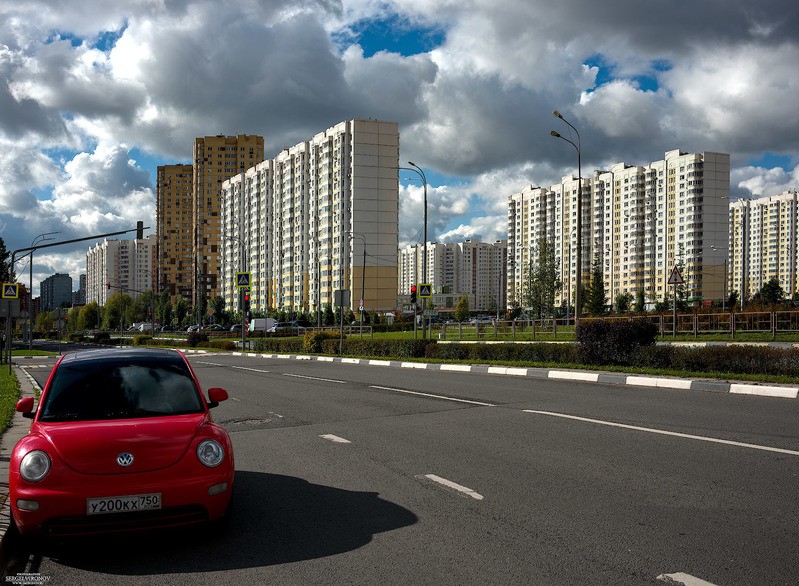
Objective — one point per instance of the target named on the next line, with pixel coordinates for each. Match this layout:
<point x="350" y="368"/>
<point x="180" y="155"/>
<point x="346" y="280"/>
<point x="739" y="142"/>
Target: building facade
<point x="763" y="243"/>
<point x="478" y="270"/>
<point x="638" y="223"/>
<point x="216" y="159"/>
<point x="321" y="216"/>
<point x="174" y="229"/>
<point x="56" y="292"/>
<point x="114" y="266"/>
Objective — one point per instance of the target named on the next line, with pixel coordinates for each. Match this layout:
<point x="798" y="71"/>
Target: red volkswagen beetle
<point x="122" y="440"/>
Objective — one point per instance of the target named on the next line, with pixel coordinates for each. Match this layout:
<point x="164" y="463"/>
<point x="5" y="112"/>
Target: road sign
<point x="675" y="278"/>
<point x="425" y="290"/>
<point x="10" y="291"/>
<point x="242" y="280"/>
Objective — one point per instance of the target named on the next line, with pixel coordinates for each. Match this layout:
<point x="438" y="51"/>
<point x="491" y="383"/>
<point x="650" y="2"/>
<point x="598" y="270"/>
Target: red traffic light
<point x="413" y="288"/>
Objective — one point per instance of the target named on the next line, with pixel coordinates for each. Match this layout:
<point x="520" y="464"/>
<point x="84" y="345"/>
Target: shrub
<point x="195" y="338"/>
<point x="142" y="340"/>
<point x="312" y="341"/>
<point x="221" y="344"/>
<point x="612" y="342"/>
<point x="75" y="337"/>
<point x="508" y="352"/>
<point x="101" y="338"/>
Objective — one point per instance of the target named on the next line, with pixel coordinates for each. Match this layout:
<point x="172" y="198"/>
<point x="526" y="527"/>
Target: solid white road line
<point x="327" y="380"/>
<point x="683" y="579"/>
<point x="250" y="369"/>
<point x="335" y="439"/>
<point x="449" y="484"/>
<point x="445" y="398"/>
<point x="663" y="432"/>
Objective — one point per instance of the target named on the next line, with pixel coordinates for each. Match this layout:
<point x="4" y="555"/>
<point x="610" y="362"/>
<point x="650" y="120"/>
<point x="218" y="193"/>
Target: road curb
<point x="17" y="430"/>
<point x="778" y="391"/>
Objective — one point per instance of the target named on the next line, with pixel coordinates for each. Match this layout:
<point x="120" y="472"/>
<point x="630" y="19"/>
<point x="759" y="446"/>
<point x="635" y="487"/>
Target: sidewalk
<point x="19" y="427"/>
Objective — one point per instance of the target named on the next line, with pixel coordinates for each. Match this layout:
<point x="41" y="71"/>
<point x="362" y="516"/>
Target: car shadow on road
<point x="275" y="519"/>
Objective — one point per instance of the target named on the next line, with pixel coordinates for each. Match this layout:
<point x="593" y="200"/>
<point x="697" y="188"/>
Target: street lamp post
<point x="39" y="239"/>
<point x="418" y="169"/>
<point x="578" y="255"/>
<point x="363" y="275"/>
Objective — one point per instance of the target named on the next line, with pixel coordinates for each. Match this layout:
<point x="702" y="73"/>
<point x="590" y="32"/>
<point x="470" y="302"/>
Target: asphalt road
<point x="473" y="479"/>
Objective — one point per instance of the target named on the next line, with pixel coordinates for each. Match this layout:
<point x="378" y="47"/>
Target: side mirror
<point x="215" y="396"/>
<point x="25" y="406"/>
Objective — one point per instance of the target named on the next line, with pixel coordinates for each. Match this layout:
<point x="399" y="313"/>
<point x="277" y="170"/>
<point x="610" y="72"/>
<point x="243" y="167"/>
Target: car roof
<point x="100" y="354"/>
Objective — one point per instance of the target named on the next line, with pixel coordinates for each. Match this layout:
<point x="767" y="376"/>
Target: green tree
<point x="329" y="317"/>
<point x="543" y="281"/>
<point x="623" y="301"/>
<point x="462" y="308"/>
<point x="771" y="293"/>
<point x="640" y="301"/>
<point x="118" y="311"/>
<point x="7" y="273"/>
<point x="45" y="321"/>
<point x="733" y="300"/>
<point x="89" y="316"/>
<point x="595" y="298"/>
<point x="163" y="308"/>
<point x="180" y="309"/>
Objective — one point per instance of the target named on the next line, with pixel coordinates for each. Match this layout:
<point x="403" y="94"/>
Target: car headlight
<point x="211" y="453"/>
<point x="35" y="466"/>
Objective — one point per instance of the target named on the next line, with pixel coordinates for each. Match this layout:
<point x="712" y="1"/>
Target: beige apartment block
<point x="174" y="229"/>
<point x="763" y="243"/>
<point x="216" y="159"/>
<point x="638" y="222"/>
<point x="129" y="266"/>
<point x="319" y="217"/>
<point x="476" y="269"/>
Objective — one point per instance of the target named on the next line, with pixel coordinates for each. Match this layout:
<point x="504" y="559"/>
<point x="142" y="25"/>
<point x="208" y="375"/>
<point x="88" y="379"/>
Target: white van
<point x="262" y="324"/>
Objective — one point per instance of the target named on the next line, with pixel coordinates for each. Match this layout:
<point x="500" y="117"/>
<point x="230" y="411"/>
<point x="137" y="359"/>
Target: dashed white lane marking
<point x="327" y="380"/>
<point x="209" y="363"/>
<point x="335" y="439"/>
<point x="454" y="486"/>
<point x="443" y="397"/>
<point x="664" y="432"/>
<point x="683" y="579"/>
<point x="250" y="369"/>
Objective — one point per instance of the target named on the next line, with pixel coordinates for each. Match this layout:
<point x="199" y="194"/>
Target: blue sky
<point x="94" y="95"/>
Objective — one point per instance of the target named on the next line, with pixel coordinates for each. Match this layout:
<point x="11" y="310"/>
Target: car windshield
<point x="84" y="391"/>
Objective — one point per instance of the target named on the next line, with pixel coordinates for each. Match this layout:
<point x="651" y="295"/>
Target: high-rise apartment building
<point x="175" y="229"/>
<point x="321" y="216"/>
<point x="127" y="265"/>
<point x="55" y="292"/>
<point x="763" y="243"/>
<point x="638" y="222"/>
<point x="216" y="159"/>
<point x="478" y="270"/>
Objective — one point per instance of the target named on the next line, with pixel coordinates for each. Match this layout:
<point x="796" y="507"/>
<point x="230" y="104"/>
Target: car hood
<point x="92" y="447"/>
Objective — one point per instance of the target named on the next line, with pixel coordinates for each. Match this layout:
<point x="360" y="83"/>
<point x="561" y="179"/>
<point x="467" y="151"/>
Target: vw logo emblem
<point x="125" y="459"/>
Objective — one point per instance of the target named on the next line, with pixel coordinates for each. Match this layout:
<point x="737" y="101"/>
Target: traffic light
<point x="108" y="285"/>
<point x="247" y="302"/>
<point x="413" y="293"/>
<point x="139" y="230"/>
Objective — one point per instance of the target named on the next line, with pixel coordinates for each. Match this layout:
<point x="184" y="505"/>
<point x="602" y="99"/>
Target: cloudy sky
<point x="94" y="94"/>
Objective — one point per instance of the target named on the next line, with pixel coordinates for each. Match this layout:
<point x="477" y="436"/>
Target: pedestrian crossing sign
<point x="10" y="291"/>
<point x="425" y="290"/>
<point x="243" y="280"/>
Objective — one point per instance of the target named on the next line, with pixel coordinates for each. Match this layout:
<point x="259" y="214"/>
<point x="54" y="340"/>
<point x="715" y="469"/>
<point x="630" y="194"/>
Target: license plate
<point x="123" y="504"/>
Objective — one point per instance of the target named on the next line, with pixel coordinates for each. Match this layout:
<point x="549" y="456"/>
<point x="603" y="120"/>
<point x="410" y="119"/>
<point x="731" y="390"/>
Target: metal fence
<point x="691" y="324"/>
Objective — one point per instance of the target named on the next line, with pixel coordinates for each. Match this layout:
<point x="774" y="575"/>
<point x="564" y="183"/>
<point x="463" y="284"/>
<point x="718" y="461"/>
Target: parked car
<point x="215" y="328"/>
<point x="122" y="439"/>
<point x="235" y="328"/>
<point x="282" y="326"/>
